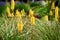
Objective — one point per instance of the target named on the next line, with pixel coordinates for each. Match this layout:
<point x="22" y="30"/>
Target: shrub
<point x="3" y="9"/>
<point x="41" y="11"/>
<point x="22" y="6"/>
<point x="34" y="4"/>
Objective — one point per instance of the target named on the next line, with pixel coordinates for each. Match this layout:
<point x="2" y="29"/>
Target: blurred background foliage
<point x="37" y="7"/>
<point x="2" y="9"/>
<point x="26" y="7"/>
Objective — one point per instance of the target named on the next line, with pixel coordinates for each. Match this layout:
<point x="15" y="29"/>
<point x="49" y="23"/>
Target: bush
<point x="41" y="11"/>
<point x="3" y="9"/>
<point x="34" y="4"/>
<point x="22" y="6"/>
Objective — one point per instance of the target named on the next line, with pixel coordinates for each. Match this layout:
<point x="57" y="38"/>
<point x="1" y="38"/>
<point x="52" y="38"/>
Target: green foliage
<point x="26" y="7"/>
<point x="42" y="11"/>
<point x="34" y="4"/>
<point x="59" y="11"/>
<point x="3" y="9"/>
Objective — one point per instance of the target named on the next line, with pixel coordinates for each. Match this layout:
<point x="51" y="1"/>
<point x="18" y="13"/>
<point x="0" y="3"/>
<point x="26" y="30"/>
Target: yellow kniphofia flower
<point x="12" y="4"/>
<point x="32" y="19"/>
<point x="51" y="13"/>
<point x="56" y="13"/>
<point x="20" y="26"/>
<point x="53" y="5"/>
<point x="46" y="18"/>
<point x="31" y="13"/>
<point x="22" y="12"/>
<point x="18" y="14"/>
<point x="8" y="12"/>
<point x="12" y="15"/>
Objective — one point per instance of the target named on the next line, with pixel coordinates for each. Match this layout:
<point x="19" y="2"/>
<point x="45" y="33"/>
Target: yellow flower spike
<point x="46" y="18"/>
<point x="51" y="13"/>
<point x="22" y="12"/>
<point x="56" y="13"/>
<point x="31" y="13"/>
<point x="12" y="5"/>
<point x="53" y="5"/>
<point x="20" y="26"/>
<point x="18" y="14"/>
<point x="8" y="11"/>
<point x="12" y="15"/>
<point x="32" y="19"/>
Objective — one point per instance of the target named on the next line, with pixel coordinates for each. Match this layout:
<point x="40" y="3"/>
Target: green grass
<point x="40" y="31"/>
